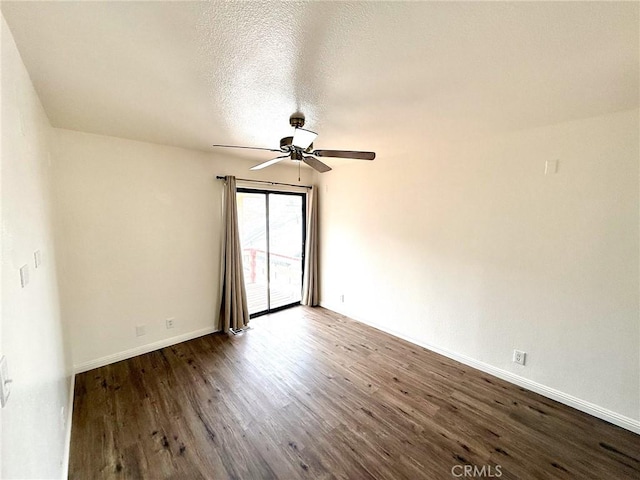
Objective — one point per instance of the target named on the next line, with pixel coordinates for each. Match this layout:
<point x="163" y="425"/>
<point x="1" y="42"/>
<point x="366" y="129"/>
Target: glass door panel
<point x="272" y="232"/>
<point x="286" y="237"/>
<point x="252" y="223"/>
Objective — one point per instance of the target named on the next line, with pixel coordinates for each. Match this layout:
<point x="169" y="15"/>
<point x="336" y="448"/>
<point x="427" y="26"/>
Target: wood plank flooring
<point x="310" y="394"/>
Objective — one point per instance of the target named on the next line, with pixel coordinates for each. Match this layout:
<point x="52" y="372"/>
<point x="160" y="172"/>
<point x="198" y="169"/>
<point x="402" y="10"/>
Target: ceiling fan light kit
<point x="301" y="143"/>
<point x="303" y="138"/>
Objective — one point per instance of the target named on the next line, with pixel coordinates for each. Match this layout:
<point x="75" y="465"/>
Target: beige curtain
<point x="310" y="287"/>
<point x="234" y="313"/>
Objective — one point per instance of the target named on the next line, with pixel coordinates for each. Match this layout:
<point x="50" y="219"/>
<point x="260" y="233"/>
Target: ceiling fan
<point x="299" y="148"/>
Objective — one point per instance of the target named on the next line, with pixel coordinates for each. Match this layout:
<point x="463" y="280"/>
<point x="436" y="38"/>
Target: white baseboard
<point x="67" y="437"/>
<point x="142" y="349"/>
<point x="557" y="395"/>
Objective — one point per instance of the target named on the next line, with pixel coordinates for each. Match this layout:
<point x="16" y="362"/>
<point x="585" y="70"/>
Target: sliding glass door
<point x="252" y="223"/>
<point x="272" y="235"/>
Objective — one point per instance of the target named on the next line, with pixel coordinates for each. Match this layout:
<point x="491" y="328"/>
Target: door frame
<point x="303" y="195"/>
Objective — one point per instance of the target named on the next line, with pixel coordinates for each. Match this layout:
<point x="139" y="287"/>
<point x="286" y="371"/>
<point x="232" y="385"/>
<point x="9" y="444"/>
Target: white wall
<point x="36" y="420"/>
<point x="465" y="245"/>
<point x="139" y="231"/>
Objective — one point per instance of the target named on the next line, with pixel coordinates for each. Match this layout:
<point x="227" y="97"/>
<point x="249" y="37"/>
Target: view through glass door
<point x="272" y="234"/>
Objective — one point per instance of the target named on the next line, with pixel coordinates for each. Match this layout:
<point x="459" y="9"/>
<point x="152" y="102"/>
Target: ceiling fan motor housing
<point x="286" y="145"/>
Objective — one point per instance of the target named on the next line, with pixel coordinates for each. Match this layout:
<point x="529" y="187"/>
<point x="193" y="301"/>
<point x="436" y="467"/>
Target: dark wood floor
<point x="308" y="393"/>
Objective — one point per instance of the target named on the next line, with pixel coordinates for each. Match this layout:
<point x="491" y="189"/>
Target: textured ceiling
<point x="376" y="76"/>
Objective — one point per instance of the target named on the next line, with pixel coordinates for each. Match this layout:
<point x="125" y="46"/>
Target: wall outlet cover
<point x="519" y="357"/>
<point x="24" y="275"/>
<point x="5" y="382"/>
<point x="550" y="167"/>
<point x="37" y="258"/>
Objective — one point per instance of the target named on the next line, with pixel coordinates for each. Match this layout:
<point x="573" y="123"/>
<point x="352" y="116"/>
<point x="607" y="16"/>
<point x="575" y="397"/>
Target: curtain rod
<point x="263" y="181"/>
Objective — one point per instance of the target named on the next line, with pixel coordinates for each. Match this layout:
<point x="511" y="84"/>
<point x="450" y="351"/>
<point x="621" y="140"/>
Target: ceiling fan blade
<point x="316" y="164"/>
<point x="345" y="154"/>
<point x="249" y="148"/>
<point x="303" y="138"/>
<point x="262" y="165"/>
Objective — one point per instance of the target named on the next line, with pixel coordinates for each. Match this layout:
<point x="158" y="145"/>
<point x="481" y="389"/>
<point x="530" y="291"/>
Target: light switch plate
<point x="550" y="167"/>
<point x="37" y="258"/>
<point x="5" y="382"/>
<point x="24" y="275"/>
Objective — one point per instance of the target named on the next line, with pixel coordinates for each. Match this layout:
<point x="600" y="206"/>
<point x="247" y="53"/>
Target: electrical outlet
<point x="550" y="167"/>
<point x="342" y="298"/>
<point x="170" y="322"/>
<point x="519" y="357"/>
<point x="24" y="275"/>
<point x="141" y="330"/>
<point x="5" y="382"/>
